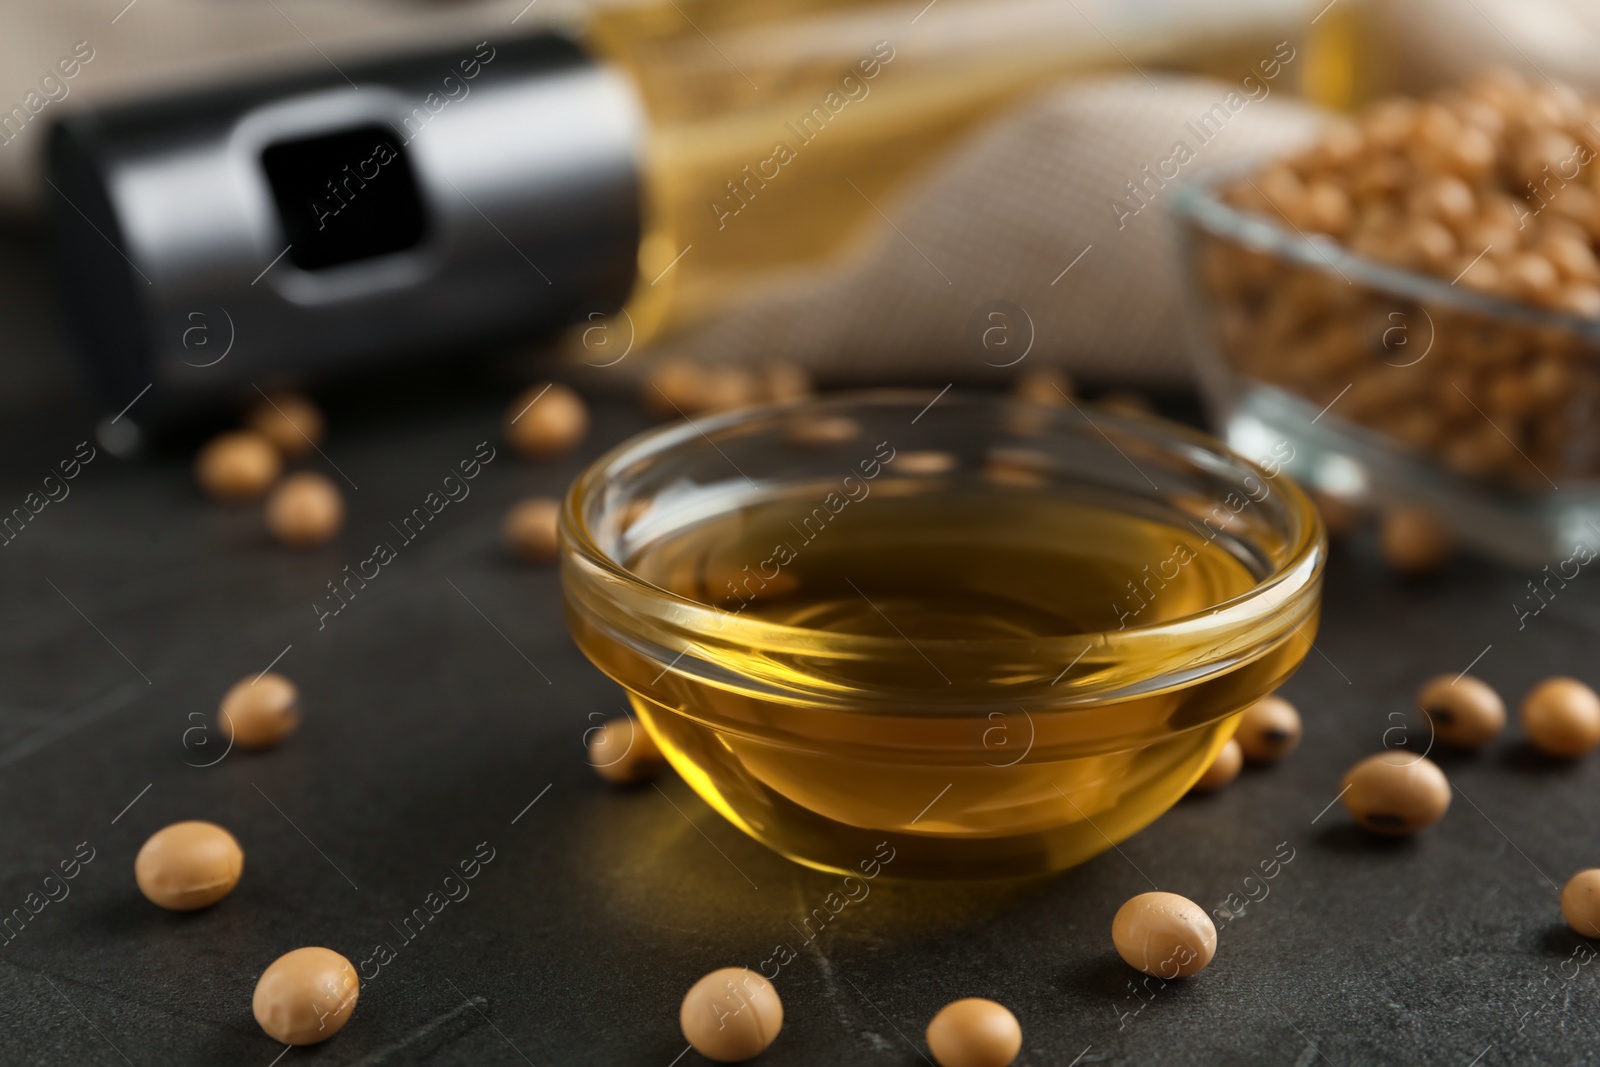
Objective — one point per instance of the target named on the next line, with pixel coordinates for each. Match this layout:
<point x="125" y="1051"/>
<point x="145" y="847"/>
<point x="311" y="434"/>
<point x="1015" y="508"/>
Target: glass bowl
<point x="977" y="638"/>
<point x="1394" y="386"/>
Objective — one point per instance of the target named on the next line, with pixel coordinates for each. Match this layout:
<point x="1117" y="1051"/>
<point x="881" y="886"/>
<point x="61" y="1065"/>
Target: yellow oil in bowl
<point x="981" y="674"/>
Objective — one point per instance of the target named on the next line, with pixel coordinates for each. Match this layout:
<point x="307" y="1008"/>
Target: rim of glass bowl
<point x="1273" y="596"/>
<point x="1198" y="202"/>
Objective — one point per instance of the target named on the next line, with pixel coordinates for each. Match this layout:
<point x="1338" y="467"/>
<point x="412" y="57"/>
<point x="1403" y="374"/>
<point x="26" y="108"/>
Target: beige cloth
<point x="1021" y="222"/>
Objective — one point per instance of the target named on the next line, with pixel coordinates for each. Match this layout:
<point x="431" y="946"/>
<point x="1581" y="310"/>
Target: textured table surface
<point x="446" y="699"/>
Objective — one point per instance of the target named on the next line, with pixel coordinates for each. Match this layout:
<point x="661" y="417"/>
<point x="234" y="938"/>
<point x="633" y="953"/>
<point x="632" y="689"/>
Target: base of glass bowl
<point x="1079" y="807"/>
<point x="1527" y="528"/>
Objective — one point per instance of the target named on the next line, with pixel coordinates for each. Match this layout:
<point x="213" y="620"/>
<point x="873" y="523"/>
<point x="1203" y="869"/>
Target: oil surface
<point x="885" y="721"/>
<point x="976" y="566"/>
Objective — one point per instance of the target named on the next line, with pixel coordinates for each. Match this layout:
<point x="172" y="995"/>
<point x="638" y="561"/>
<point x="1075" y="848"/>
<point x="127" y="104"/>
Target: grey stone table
<point x="446" y="708"/>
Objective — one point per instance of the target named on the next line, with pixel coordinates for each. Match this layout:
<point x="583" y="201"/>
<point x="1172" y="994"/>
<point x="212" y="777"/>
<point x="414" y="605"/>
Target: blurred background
<point x="845" y="185"/>
<point x="204" y="203"/>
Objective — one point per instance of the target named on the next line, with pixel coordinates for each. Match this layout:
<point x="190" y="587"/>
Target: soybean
<point x="260" y="712"/>
<point x="237" y="466"/>
<point x="546" y="421"/>
<point x="974" y="1032"/>
<point x="531" y="529"/>
<point x="623" y="751"/>
<point x="188" y="865"/>
<point x="306" y="996"/>
<point x="292" y="423"/>
<point x="1223" y="770"/>
<point x="1465" y="712"/>
<point x="1413" y="542"/>
<point x="673" y="388"/>
<point x="1580" y="902"/>
<point x="725" y="388"/>
<point x="305" y="511"/>
<point x="731" y="1015"/>
<point x="1396" y="793"/>
<point x="1562" y="717"/>
<point x="1268" y="730"/>
<point x="1164" y="934"/>
<point x="784" y="382"/>
<point x="1046" y="386"/>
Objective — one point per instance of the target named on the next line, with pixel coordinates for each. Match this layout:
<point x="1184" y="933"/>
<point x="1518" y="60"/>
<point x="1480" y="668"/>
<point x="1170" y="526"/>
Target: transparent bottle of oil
<point x="1359" y="51"/>
<point x="778" y="131"/>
